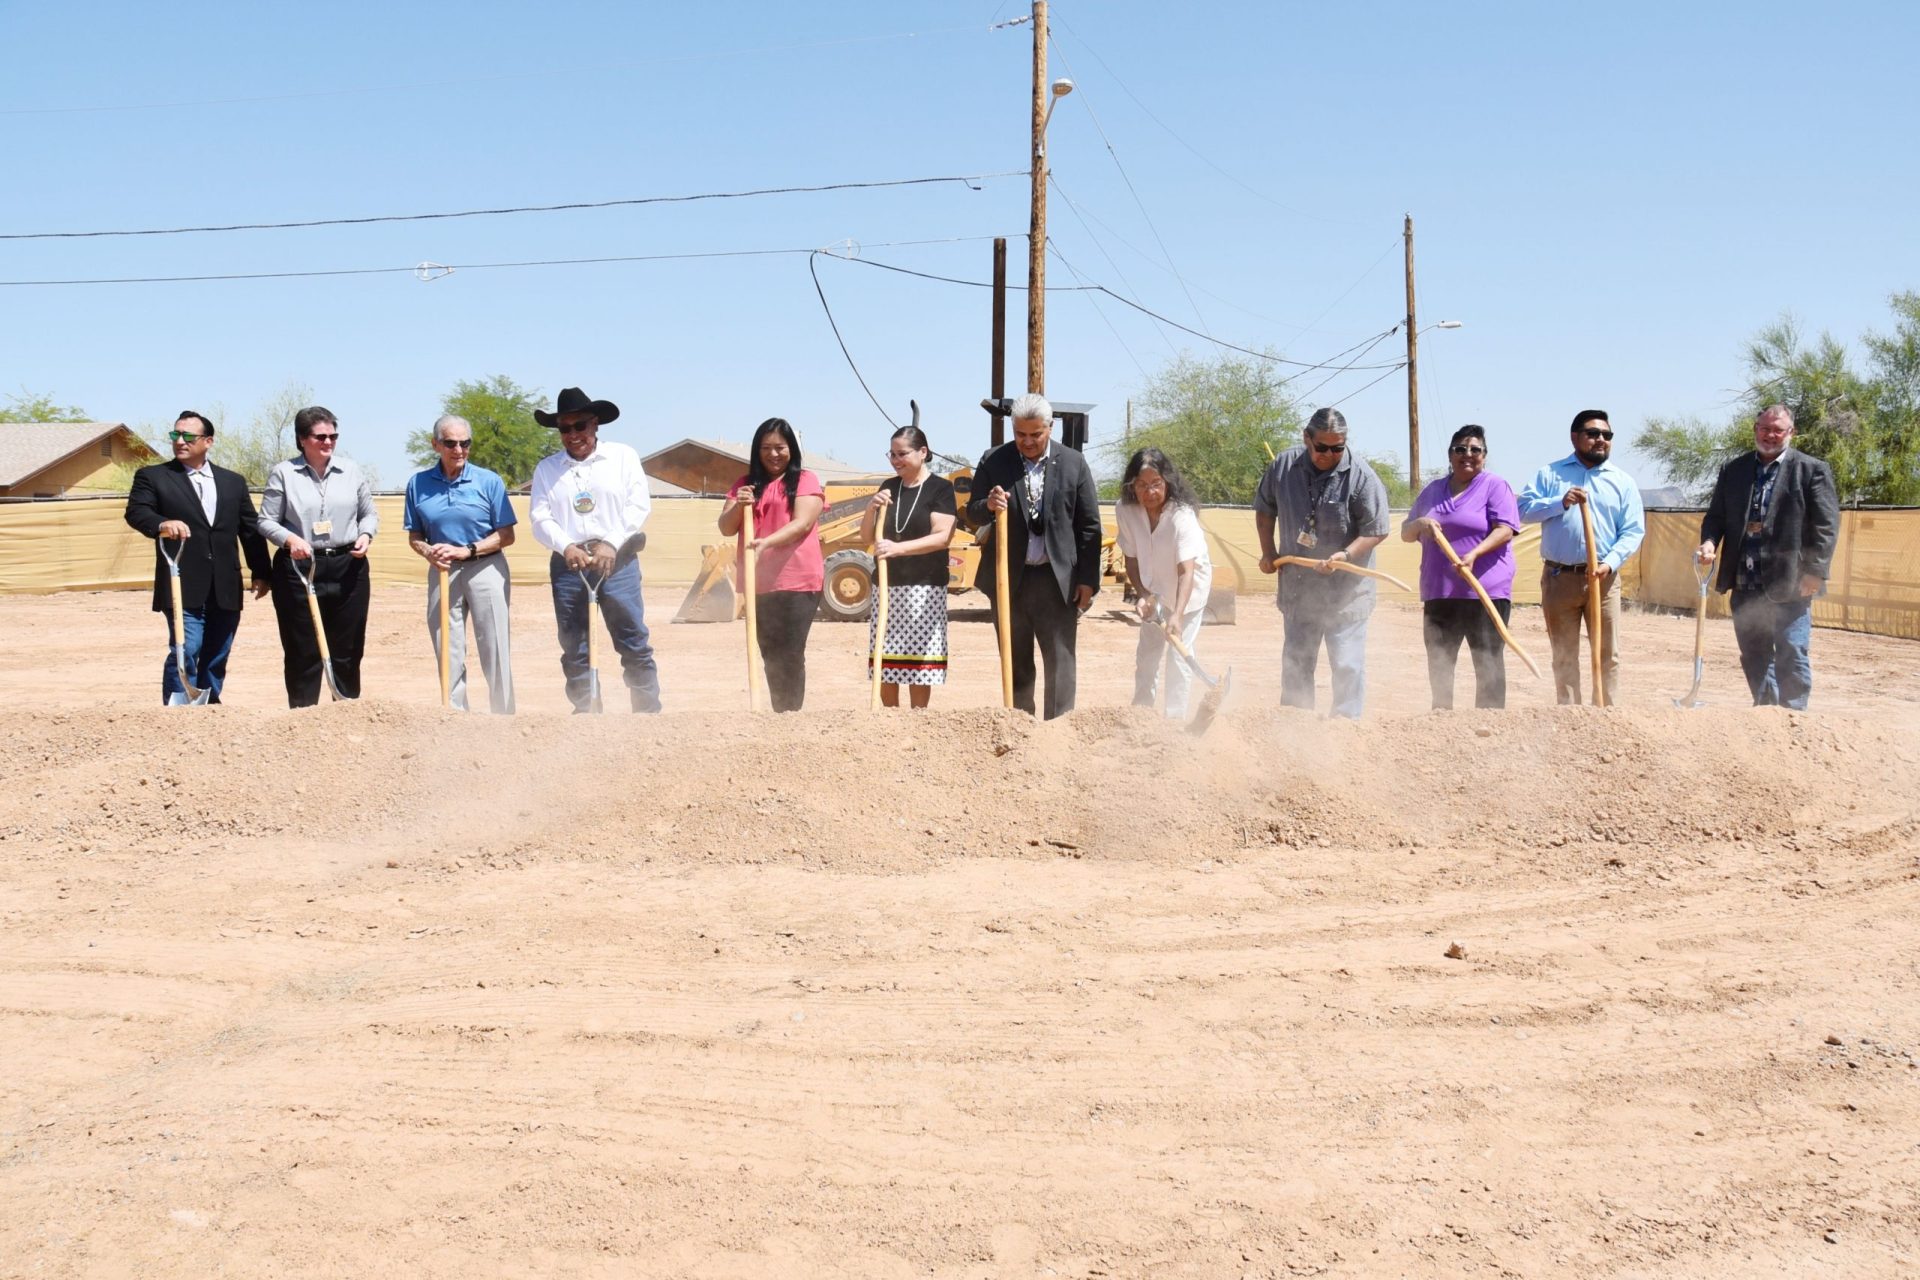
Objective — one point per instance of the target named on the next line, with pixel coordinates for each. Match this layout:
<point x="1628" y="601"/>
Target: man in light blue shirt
<point x="458" y="518"/>
<point x="1619" y="523"/>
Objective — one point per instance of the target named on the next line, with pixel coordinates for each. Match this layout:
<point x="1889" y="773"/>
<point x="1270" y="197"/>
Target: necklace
<point x="899" y="525"/>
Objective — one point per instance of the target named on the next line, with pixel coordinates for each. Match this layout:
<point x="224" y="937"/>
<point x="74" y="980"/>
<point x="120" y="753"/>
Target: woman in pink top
<point x="787" y="502"/>
<point x="1476" y="512"/>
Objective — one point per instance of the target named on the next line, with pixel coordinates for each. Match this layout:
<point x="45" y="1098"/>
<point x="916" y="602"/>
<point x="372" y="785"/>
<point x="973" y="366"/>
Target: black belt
<point x="1557" y="567"/>
<point x="320" y="551"/>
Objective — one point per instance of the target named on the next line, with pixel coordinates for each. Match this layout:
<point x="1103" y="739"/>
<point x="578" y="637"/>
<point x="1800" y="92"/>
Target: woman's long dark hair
<point x="1179" y="492"/>
<point x="757" y="471"/>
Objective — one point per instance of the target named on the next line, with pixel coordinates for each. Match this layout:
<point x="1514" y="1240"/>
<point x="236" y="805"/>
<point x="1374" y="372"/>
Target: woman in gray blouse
<point x="318" y="509"/>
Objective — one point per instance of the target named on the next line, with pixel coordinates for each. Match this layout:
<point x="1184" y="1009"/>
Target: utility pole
<point x="1037" y="228"/>
<point x="1413" y="375"/>
<point x="999" y="336"/>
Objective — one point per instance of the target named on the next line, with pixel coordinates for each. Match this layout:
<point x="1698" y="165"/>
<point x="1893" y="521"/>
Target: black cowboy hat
<point x="574" y="400"/>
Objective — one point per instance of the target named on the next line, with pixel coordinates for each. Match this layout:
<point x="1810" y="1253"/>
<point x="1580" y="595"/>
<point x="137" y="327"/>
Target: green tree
<point x="1864" y="423"/>
<point x="31" y="407"/>
<point x="1215" y="419"/>
<point x="506" y="439"/>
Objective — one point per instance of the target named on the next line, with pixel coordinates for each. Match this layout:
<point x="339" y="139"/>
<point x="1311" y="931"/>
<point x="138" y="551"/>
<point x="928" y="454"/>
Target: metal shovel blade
<point x="1210" y="704"/>
<point x="333" y="686"/>
<point x="1692" y="699"/>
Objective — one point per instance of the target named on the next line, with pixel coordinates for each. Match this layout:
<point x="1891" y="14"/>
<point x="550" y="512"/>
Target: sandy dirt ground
<point x="377" y="989"/>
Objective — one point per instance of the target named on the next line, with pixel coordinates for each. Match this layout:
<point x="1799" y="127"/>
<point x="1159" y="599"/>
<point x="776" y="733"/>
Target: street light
<point x="1061" y="88"/>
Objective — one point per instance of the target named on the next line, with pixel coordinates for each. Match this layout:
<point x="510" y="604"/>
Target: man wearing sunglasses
<point x="1320" y="502"/>
<point x="588" y="499"/>
<point x="318" y="509"/>
<point x="458" y="518"/>
<point x="208" y="509"/>
<point x="1588" y="476"/>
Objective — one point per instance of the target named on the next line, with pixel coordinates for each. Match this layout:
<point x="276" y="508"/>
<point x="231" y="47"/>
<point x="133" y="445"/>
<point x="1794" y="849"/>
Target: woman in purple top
<point x="1475" y="511"/>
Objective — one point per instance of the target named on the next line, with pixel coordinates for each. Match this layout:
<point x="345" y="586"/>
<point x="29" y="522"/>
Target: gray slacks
<point x="478" y="589"/>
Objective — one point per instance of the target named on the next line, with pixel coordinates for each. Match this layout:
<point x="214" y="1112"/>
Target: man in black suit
<point x="1053" y="547"/>
<point x="1779" y="514"/>
<point x="210" y="510"/>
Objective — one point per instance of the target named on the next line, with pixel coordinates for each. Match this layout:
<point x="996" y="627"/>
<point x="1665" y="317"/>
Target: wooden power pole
<point x="1037" y="228"/>
<point x="1413" y="374"/>
<point x="999" y="382"/>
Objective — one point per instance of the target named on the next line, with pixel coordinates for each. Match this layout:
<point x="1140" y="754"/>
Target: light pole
<point x="1043" y="104"/>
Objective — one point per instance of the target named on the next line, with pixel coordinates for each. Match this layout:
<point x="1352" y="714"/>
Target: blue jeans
<point x="210" y="632"/>
<point x="1775" y="640"/>
<point x="1346" y="654"/>
<point x="626" y="623"/>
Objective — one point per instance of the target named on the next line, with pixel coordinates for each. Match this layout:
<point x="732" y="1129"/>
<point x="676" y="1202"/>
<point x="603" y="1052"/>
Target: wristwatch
<point x="473" y="551"/>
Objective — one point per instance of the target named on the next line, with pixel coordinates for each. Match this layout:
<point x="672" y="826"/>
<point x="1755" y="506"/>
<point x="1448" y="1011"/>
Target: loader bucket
<point x="710" y="598"/>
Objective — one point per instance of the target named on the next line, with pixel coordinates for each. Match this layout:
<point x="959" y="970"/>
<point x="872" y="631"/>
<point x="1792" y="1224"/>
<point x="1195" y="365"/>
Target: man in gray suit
<point x="1053" y="547"/>
<point x="1779" y="515"/>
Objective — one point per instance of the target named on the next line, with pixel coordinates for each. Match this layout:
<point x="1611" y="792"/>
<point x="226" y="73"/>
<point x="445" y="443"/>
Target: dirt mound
<point x="852" y="792"/>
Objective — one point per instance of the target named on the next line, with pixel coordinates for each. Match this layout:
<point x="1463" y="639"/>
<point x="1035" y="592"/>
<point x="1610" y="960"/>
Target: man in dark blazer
<point x="1053" y="547"/>
<point x="209" y="508"/>
<point x="1779" y="516"/>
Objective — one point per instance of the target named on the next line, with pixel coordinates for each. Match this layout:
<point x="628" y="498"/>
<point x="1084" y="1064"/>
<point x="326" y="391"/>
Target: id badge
<point x="321" y="528"/>
<point x="1755" y="528"/>
<point x="1306" y="538"/>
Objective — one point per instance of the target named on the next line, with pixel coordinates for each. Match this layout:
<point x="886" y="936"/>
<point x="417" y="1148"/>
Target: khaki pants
<point x="1563" y="600"/>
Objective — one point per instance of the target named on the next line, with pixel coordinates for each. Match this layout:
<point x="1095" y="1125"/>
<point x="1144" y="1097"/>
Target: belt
<point x="320" y="551"/>
<point x="1556" y="567"/>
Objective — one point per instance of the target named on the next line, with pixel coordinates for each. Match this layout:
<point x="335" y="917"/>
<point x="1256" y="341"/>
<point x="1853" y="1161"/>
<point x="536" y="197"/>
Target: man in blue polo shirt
<point x="457" y="517"/>
<point x="1619" y="523"/>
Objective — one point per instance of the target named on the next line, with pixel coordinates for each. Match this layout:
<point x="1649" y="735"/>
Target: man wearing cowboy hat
<point x="588" y="499"/>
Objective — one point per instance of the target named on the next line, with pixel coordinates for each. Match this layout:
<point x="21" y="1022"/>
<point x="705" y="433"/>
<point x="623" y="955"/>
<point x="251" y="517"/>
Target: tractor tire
<point x="848" y="593"/>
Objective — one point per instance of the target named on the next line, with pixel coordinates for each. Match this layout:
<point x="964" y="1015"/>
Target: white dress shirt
<point x="603" y="495"/>
<point x="201" y="477"/>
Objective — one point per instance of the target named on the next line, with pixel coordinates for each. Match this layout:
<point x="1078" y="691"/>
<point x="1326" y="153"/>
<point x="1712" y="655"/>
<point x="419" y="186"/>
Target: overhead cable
<point x="968" y="179"/>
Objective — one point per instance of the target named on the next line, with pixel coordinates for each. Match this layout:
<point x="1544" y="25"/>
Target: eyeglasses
<point x="457" y="444"/>
<point x="1328" y="448"/>
<point x="1592" y="434"/>
<point x="572" y="428"/>
<point x="1474" y="451"/>
<point x="181" y="437"/>
<point x="324" y="439"/>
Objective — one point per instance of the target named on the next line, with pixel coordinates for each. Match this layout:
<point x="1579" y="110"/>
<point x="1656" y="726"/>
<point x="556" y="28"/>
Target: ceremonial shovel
<point x="750" y="576"/>
<point x="320" y="632"/>
<point x="879" y="624"/>
<point x="1002" y="604"/>
<point x="627" y="551"/>
<point x="192" y="697"/>
<point x="1216" y="689"/>
<point x="1440" y="541"/>
<point x="1593" y="606"/>
<point x="1703" y="574"/>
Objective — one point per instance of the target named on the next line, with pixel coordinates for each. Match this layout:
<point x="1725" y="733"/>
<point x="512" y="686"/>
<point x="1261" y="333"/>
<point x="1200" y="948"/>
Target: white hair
<point x="1775" y="411"/>
<point x="1032" y="407"/>
<point x="448" y="419"/>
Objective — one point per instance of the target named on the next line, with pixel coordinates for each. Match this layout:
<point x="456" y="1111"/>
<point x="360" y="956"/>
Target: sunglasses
<point x="181" y="437"/>
<point x="325" y="439"/>
<point x="573" y="428"/>
<point x="1591" y="434"/>
<point x="457" y="444"/>
<point x="1328" y="448"/>
<point x="1472" y="451"/>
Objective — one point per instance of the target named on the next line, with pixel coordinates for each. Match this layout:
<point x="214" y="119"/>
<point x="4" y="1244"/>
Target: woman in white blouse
<point x="1168" y="569"/>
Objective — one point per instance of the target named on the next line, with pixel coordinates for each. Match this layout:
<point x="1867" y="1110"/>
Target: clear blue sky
<point x="1612" y="199"/>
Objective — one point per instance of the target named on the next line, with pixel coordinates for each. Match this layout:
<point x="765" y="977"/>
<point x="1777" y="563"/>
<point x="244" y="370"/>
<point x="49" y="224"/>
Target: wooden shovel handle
<point x="1593" y="606"/>
<point x="1003" y="591"/>
<point x="879" y="625"/>
<point x="446" y="636"/>
<point x="750" y="574"/>
<point x="1345" y="566"/>
<point x="1440" y="541"/>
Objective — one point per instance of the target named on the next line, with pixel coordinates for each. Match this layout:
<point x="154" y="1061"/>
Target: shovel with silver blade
<point x="627" y="551"/>
<point x="319" y="632"/>
<point x="1703" y="574"/>
<point x="1216" y="689"/>
<point x="192" y="697"/>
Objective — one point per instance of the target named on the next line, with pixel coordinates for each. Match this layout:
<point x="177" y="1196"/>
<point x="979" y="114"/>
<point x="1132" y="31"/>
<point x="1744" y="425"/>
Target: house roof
<point x="709" y="466"/>
<point x="28" y="448"/>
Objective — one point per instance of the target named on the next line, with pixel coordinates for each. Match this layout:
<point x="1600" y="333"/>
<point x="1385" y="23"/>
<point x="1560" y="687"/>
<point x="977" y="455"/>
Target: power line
<point x="831" y="323"/>
<point x="968" y="179"/>
<point x="1138" y="202"/>
<point x="1204" y="159"/>
<point x="470" y="266"/>
<point x="1391" y="370"/>
<point x="1075" y="210"/>
<point x="555" y="73"/>
<point x="1055" y="249"/>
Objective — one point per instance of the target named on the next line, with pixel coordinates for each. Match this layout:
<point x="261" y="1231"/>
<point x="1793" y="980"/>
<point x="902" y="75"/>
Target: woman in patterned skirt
<point x="913" y="516"/>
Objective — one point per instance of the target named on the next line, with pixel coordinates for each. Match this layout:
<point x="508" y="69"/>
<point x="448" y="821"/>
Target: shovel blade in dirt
<point x="1210" y="704"/>
<point x="186" y="695"/>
